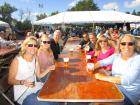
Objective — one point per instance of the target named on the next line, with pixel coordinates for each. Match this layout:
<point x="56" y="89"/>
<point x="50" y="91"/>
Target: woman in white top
<point x="23" y="71"/>
<point x="125" y="69"/>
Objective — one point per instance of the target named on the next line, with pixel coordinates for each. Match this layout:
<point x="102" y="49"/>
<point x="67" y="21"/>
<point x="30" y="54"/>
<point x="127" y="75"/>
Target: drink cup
<point x="66" y="61"/>
<point x="71" y="51"/>
<point x="78" y="47"/>
<point x="32" y="79"/>
<point x="88" y="57"/>
<point x="90" y="67"/>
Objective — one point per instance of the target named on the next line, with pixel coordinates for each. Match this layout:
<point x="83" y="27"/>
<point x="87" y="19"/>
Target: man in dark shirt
<point x="55" y="45"/>
<point x="85" y="40"/>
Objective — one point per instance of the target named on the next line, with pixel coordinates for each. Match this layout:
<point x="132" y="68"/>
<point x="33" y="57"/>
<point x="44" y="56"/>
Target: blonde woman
<point x="103" y="50"/>
<point x="45" y="57"/>
<point x="125" y="69"/>
<point x="23" y="71"/>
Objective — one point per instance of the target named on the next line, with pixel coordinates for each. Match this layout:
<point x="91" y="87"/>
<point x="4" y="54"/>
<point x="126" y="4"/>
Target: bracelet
<point x="21" y="82"/>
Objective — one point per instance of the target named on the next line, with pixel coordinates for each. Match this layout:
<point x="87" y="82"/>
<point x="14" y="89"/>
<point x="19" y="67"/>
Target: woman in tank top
<point x="23" y="72"/>
<point x="45" y="57"/>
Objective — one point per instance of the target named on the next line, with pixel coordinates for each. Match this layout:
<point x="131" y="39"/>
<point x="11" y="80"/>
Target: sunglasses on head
<point x="127" y="43"/>
<point x="32" y="45"/>
<point x="48" y="42"/>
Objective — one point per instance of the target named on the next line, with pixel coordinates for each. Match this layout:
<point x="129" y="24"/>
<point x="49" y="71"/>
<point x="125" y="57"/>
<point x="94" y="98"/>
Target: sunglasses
<point x="127" y="43"/>
<point x="32" y="45"/>
<point x="103" y="41"/>
<point x="48" y="42"/>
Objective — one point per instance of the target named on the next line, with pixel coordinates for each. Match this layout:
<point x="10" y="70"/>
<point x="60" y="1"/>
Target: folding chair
<point x="5" y="88"/>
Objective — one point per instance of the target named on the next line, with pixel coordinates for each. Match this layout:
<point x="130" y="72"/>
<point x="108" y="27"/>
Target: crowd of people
<point x="116" y="55"/>
<point x="118" y="60"/>
<point x="7" y="40"/>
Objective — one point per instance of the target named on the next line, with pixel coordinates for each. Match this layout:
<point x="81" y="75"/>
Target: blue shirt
<point x="129" y="70"/>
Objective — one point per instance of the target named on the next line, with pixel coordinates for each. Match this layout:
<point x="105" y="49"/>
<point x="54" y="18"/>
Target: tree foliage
<point x="41" y="16"/>
<point x="138" y="13"/>
<point x="134" y="12"/>
<point x="25" y="25"/>
<point x="5" y="12"/>
<point x="127" y="12"/>
<point x="85" y="5"/>
<point x="54" y="13"/>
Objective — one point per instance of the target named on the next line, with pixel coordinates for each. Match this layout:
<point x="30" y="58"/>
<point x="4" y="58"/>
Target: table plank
<point x="4" y="51"/>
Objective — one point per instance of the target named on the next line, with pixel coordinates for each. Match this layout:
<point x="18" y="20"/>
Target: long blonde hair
<point x="24" y="44"/>
<point x="41" y="46"/>
<point x="97" y="46"/>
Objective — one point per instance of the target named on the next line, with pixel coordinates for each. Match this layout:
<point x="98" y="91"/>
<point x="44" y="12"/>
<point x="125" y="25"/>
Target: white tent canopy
<point x="4" y="24"/>
<point x="88" y="17"/>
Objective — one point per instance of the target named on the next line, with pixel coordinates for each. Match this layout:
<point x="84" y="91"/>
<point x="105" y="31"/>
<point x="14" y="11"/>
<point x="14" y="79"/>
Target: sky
<point x="34" y="7"/>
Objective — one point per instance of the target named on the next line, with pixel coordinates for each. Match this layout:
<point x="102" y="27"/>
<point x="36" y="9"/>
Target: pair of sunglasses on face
<point x="103" y="41"/>
<point x="46" y="42"/>
<point x="127" y="43"/>
<point x="33" y="45"/>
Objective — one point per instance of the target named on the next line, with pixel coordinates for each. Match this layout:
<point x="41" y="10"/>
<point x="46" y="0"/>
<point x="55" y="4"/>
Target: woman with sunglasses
<point x="102" y="51"/>
<point x="125" y="69"/>
<point x="23" y="72"/>
<point x="45" y="57"/>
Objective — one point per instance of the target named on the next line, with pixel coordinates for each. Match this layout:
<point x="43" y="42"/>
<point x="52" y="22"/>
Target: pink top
<point x="103" y="56"/>
<point x="46" y="59"/>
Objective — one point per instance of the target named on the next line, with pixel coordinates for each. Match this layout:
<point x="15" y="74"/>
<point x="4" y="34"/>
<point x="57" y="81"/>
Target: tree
<point x="134" y="12"/>
<point x="85" y="5"/>
<point x="25" y="25"/>
<point x="127" y="12"/>
<point x="54" y="13"/>
<point x="138" y="13"/>
<point x="41" y="16"/>
<point x="5" y="11"/>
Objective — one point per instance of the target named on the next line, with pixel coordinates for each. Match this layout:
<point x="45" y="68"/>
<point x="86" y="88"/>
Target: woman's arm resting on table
<point x="42" y="74"/>
<point x="112" y="79"/>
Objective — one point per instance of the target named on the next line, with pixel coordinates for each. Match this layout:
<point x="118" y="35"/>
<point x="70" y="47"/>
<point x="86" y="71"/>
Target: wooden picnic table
<point x="74" y="83"/>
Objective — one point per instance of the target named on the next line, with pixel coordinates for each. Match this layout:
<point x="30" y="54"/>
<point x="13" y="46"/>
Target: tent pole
<point x="33" y="29"/>
<point x="63" y="26"/>
<point x="93" y="27"/>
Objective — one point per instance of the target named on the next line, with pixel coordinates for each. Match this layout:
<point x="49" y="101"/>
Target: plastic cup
<point x="88" y="57"/>
<point x="71" y="51"/>
<point x="90" y="68"/>
<point x="66" y="61"/>
<point x="32" y="79"/>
